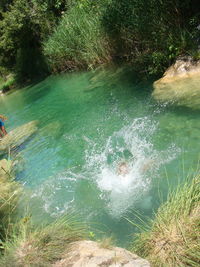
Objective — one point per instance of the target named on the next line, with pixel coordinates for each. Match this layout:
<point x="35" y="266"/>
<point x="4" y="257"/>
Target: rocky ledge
<point x="17" y="136"/>
<point x="180" y="84"/>
<point x="93" y="254"/>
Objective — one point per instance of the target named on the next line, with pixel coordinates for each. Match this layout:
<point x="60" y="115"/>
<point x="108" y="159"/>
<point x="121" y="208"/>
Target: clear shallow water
<point x="90" y="123"/>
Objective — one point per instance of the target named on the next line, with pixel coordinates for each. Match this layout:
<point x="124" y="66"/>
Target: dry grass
<point x="42" y="246"/>
<point x="9" y="194"/>
<point x="173" y="237"/>
<point x="106" y="242"/>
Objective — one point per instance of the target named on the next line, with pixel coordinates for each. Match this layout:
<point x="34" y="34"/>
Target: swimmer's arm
<point x="3" y="130"/>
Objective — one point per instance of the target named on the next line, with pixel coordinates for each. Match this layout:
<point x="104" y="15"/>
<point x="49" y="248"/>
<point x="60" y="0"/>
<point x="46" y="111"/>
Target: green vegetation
<point x="172" y="238"/>
<point x="9" y="195"/>
<point x="146" y="33"/>
<point x="24" y="243"/>
<point x="23" y="25"/>
<point x="79" y="41"/>
<point x="38" y="37"/>
<point x="7" y="84"/>
<point x="42" y="246"/>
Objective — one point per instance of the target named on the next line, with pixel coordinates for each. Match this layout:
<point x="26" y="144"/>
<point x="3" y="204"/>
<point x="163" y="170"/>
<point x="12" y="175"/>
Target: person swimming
<point x="123" y="168"/>
<point x="2" y="126"/>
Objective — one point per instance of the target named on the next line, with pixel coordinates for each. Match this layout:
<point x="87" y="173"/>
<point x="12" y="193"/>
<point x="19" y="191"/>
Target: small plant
<point x="8" y="84"/>
<point x="9" y="195"/>
<point x="106" y="242"/>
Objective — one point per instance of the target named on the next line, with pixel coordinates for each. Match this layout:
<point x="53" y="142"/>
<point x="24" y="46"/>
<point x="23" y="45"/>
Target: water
<point x="90" y="124"/>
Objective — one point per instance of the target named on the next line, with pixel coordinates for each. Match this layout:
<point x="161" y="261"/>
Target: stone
<point x="180" y="84"/>
<point x="17" y="136"/>
<point x="92" y="254"/>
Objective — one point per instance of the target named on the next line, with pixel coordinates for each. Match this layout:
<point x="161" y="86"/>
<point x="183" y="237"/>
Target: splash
<point x="56" y="195"/>
<point x="124" y="168"/>
<point x="114" y="178"/>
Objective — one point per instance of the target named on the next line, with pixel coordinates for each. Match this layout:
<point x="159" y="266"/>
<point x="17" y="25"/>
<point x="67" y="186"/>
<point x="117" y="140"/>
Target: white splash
<point x="132" y="146"/>
<point x="57" y="193"/>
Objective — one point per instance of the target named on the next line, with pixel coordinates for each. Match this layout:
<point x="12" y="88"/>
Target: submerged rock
<point x="92" y="254"/>
<point x="180" y="84"/>
<point x="52" y="129"/>
<point x="17" y="136"/>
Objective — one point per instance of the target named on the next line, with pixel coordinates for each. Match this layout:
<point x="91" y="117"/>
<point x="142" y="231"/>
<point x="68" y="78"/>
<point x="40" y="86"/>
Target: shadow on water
<point x="184" y="111"/>
<point x="119" y="77"/>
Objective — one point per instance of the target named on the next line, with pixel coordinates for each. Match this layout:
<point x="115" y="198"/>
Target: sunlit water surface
<point x="89" y="125"/>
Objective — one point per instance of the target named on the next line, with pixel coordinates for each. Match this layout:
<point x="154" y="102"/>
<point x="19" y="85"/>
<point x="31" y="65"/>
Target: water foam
<point x="133" y="147"/>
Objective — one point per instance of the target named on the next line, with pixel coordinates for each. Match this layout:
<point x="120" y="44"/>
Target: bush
<point x="85" y="33"/>
<point x="151" y="34"/>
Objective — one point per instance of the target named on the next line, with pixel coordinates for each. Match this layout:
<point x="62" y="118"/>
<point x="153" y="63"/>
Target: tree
<point x="23" y="26"/>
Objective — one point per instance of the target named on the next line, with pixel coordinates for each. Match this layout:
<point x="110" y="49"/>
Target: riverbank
<point x="180" y="84"/>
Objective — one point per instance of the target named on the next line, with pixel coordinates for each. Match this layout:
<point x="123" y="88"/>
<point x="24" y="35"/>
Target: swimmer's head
<point x="122" y="168"/>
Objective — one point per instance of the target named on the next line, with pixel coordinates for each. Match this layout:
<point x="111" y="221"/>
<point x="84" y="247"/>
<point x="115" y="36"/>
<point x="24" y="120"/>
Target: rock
<point x="17" y="136"/>
<point x="92" y="254"/>
<point x="180" y="84"/>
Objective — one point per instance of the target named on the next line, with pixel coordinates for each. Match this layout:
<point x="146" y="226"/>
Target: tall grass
<point x="78" y="42"/>
<point x="172" y="238"/>
<point x="41" y="246"/>
<point x="9" y="195"/>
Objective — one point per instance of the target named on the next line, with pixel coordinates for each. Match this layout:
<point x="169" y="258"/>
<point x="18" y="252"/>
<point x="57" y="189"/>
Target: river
<point x="89" y="124"/>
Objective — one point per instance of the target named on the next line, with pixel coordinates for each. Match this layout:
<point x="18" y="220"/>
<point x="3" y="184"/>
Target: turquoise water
<point x="90" y="123"/>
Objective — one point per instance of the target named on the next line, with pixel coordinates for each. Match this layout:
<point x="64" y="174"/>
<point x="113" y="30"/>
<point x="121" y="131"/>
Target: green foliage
<point x="152" y="33"/>
<point x="172" y="237"/>
<point x="69" y="34"/>
<point x="24" y="24"/>
<point x="8" y="84"/>
<point x="79" y="41"/>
